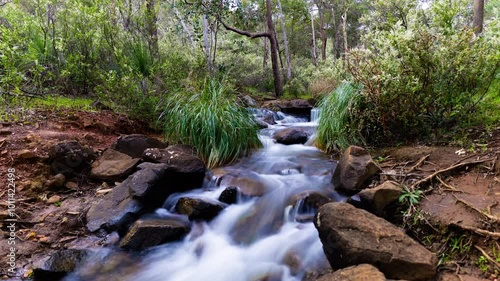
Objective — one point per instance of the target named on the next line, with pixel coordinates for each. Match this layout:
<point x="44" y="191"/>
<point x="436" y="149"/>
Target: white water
<point x="315" y="115"/>
<point x="253" y="239"/>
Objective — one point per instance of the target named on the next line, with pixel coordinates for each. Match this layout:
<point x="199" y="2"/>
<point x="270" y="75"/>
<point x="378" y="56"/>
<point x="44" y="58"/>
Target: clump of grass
<point x="335" y="129"/>
<point x="212" y="122"/>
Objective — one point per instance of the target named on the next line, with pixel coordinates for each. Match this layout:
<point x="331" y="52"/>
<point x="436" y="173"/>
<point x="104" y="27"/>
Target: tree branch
<point x="244" y="32"/>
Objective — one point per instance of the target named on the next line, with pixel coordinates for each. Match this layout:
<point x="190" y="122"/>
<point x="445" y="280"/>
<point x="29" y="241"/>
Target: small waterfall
<point x="315" y="114"/>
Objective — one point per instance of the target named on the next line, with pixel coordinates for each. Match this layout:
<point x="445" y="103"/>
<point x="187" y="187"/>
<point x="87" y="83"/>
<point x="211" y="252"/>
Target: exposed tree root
<point x="489" y="216"/>
<point x="419" y="163"/>
<point x="451" y="168"/>
<point x="482" y="232"/>
<point x="497" y="265"/>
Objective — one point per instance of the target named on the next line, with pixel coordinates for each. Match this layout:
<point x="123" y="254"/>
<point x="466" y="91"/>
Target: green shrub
<point x="336" y="130"/>
<point x="212" y="122"/>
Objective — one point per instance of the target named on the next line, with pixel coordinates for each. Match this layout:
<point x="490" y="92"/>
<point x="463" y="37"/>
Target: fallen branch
<point x="488" y="256"/>
<point x="489" y="216"/>
<point x="432" y="176"/>
<point x="480" y="231"/>
<point x="422" y="159"/>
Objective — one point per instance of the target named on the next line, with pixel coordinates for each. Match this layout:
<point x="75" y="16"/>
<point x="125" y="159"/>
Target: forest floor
<point x="457" y="217"/>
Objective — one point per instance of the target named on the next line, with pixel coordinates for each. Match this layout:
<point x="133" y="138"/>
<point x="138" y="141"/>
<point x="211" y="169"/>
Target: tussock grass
<point x="212" y="122"/>
<point x="335" y="129"/>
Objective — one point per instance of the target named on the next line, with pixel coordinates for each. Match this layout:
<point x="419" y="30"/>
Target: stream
<point x="270" y="237"/>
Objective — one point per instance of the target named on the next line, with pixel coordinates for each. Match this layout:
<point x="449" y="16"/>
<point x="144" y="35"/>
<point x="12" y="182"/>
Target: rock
<point x="59" y="264"/>
<point x="113" y="165"/>
<point x="296" y="107"/>
<point x="198" y="209"/>
<point x="54" y="199"/>
<point x="353" y="236"/>
<point x="448" y="276"/>
<point x="362" y="272"/>
<point x="26" y="154"/>
<point x="71" y="185"/>
<point x="249" y="183"/>
<point x="148" y="233"/>
<point x="229" y="195"/>
<point x="56" y="181"/>
<point x="261" y="124"/>
<point x="186" y="170"/>
<point x="379" y="197"/>
<point x="5" y="132"/>
<point x="355" y="167"/>
<point x="134" y="145"/>
<point x="69" y="157"/>
<point x="269" y="118"/>
<point x="249" y="101"/>
<point x="311" y="200"/>
<point x="291" y="136"/>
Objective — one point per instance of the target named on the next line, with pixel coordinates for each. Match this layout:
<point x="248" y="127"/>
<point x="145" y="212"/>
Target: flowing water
<point x="270" y="237"/>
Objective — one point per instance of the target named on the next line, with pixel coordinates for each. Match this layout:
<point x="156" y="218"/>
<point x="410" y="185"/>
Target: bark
<point x="313" y="42"/>
<point x="151" y="25"/>
<point x="344" y="32"/>
<point x="206" y="45"/>
<point x="478" y="18"/>
<point x="271" y="35"/>
<point x="189" y="36"/>
<point x="322" y="32"/>
<point x="266" y="53"/>
<point x="285" y="42"/>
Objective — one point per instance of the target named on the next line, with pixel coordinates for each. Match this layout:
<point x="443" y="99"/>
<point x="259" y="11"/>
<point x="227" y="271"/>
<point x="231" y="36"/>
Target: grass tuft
<point x="212" y="122"/>
<point x="335" y="130"/>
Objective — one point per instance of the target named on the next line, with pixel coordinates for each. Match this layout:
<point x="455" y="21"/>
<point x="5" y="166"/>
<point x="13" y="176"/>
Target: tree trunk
<point x="152" y="29"/>
<point x="206" y="45"/>
<point x="266" y="53"/>
<point x="313" y="41"/>
<point x="478" y="18"/>
<point x="184" y="27"/>
<point x="285" y="42"/>
<point x="344" y="32"/>
<point x="322" y="33"/>
<point x="278" y="87"/>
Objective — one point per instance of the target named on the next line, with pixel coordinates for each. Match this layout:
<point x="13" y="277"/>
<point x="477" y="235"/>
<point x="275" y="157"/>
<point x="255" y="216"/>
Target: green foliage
<point x="335" y="132"/>
<point x="212" y="122"/>
<point x="483" y="264"/>
<point x="410" y="197"/>
<point x="421" y="76"/>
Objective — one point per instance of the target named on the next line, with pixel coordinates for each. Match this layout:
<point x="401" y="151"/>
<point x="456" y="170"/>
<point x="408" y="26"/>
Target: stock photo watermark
<point x="11" y="220"/>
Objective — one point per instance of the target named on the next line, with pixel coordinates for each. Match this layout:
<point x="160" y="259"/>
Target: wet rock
<point x="249" y="183"/>
<point x="70" y="157"/>
<point x="310" y="200"/>
<point x="229" y="195"/>
<point x="362" y="272"/>
<point x="354" y="169"/>
<point x="59" y="264"/>
<point x="148" y="233"/>
<point x="113" y="165"/>
<point x="198" y="209"/>
<point x="291" y="136"/>
<point x="379" y="197"/>
<point x="56" y="181"/>
<point x="183" y="166"/>
<point x="71" y="185"/>
<point x="353" y="236"/>
<point x="298" y="107"/>
<point x="269" y="118"/>
<point x="135" y="144"/>
<point x="261" y="124"/>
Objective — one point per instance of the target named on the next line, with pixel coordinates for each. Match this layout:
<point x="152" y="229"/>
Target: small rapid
<point x="270" y="236"/>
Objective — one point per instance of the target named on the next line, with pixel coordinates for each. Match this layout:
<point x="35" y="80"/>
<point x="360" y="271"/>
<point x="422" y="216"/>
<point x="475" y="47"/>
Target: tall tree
<point x="285" y="42"/>
<point x="271" y="35"/>
<point x="478" y="18"/>
<point x="151" y="26"/>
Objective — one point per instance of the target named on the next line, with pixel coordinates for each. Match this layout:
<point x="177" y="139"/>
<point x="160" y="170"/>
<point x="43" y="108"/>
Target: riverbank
<point x="449" y="218"/>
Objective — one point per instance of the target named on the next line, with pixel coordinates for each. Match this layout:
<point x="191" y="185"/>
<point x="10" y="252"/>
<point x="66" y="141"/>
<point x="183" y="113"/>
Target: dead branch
<point x="488" y="256"/>
<point x="451" y="168"/>
<point x="244" y="32"/>
<point x="419" y="163"/>
<point x="491" y="217"/>
<point x="480" y="231"/>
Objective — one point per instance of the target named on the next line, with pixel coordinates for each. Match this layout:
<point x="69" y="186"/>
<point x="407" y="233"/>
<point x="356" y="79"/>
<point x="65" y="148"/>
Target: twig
<point x="422" y="159"/>
<point x="491" y="217"/>
<point x="480" y="231"/>
<point x="487" y="256"/>
<point x="432" y="176"/>
<point x="447" y="185"/>
<point x="491" y="206"/>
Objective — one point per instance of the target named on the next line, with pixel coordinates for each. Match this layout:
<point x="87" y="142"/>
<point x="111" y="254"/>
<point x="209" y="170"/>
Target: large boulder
<point x="379" y="197"/>
<point x="185" y="169"/>
<point x="353" y="236"/>
<point x="362" y="272"/>
<point x="113" y="165"/>
<point x="198" y="209"/>
<point x="152" y="232"/>
<point x="248" y="183"/>
<point x="70" y="157"/>
<point x="135" y="144"/>
<point x="59" y="264"/>
<point x="291" y="136"/>
<point x="145" y="190"/>
<point x="354" y="169"/>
